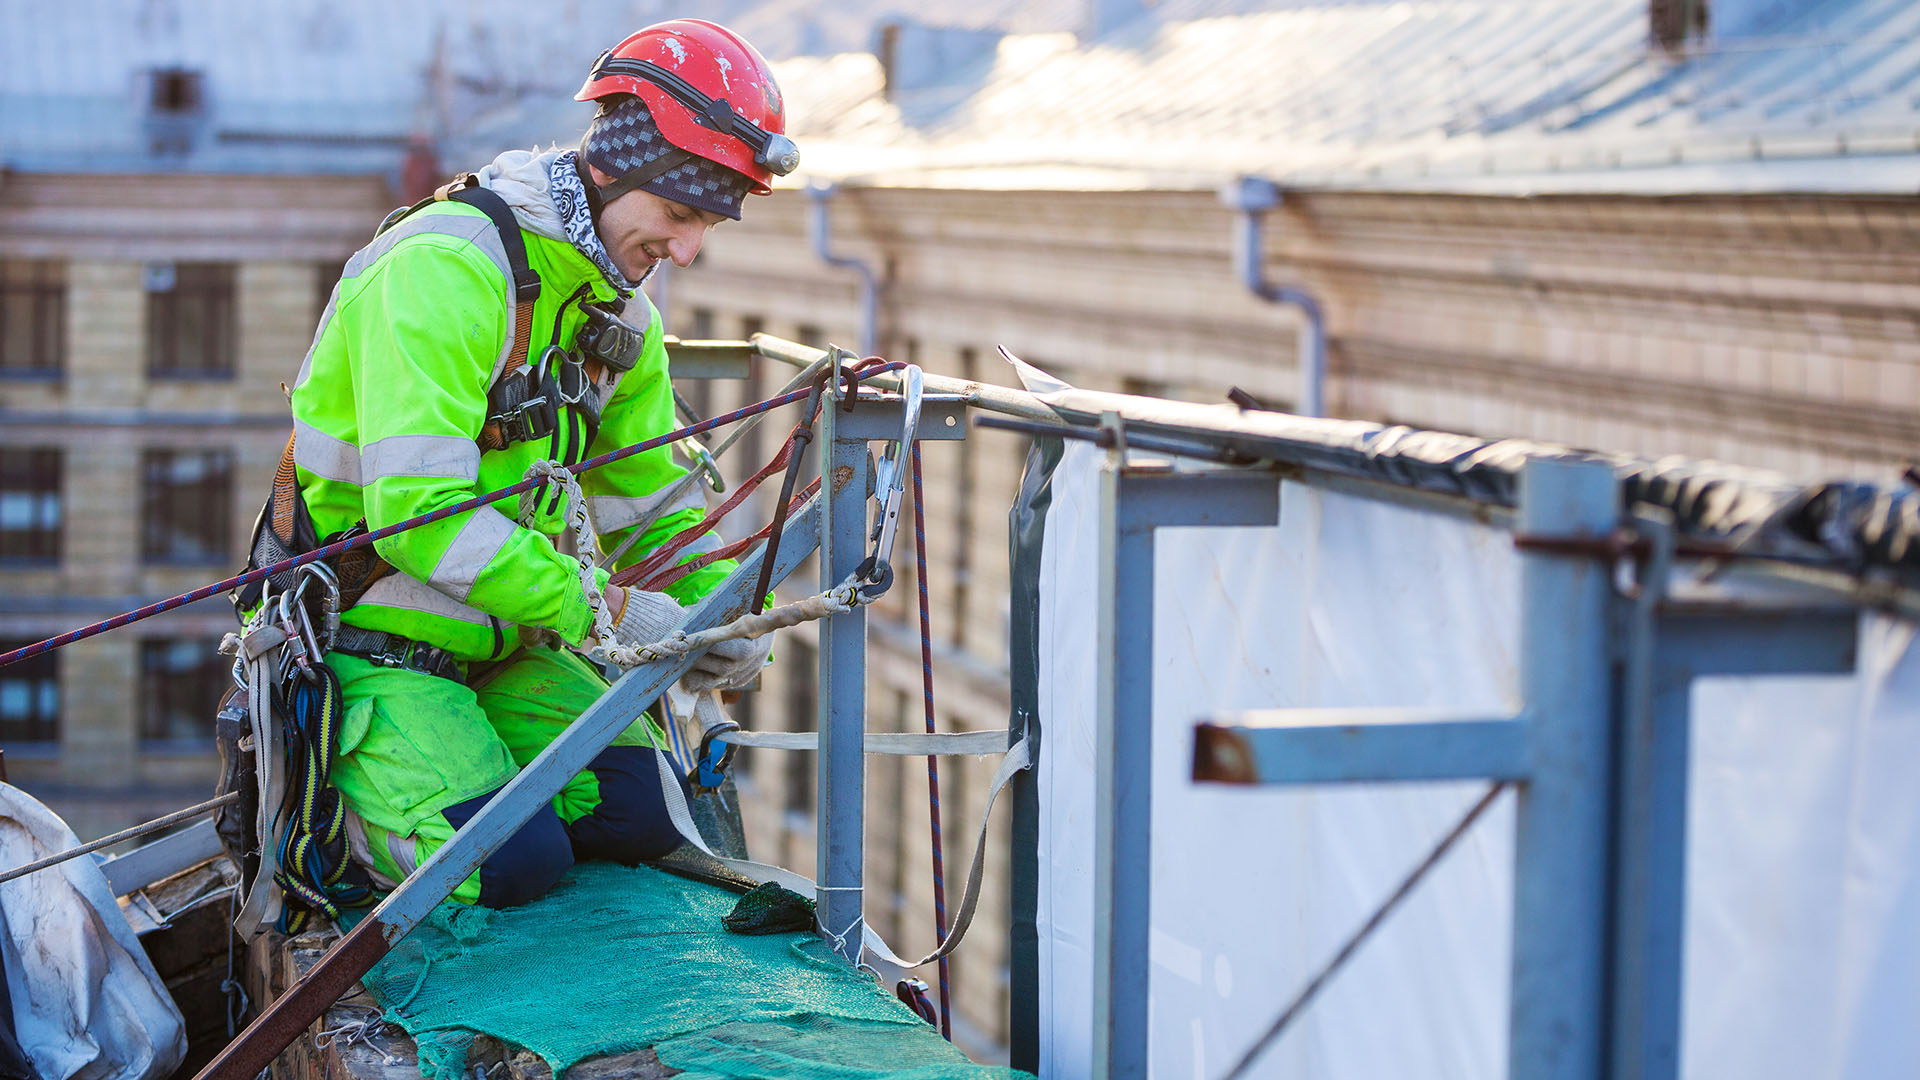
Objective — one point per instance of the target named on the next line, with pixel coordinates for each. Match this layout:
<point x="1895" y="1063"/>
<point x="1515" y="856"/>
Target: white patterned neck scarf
<point x="570" y="199"/>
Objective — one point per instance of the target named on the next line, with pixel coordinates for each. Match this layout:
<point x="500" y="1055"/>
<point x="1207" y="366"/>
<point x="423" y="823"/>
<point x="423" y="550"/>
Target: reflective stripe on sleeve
<point x="400" y="591"/>
<point x="454" y="457"/>
<point x="484" y="534"/>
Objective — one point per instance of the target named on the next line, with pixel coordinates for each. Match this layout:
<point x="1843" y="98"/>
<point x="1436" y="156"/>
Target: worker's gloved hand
<point x="729" y="665"/>
<point x="642" y="618"/>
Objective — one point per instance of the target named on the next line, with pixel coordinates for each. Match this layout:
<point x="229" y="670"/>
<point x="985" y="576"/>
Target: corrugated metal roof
<point x="1469" y="95"/>
<point x="1458" y="95"/>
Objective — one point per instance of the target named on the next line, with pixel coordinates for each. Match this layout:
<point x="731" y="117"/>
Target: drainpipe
<point x="820" y="192"/>
<point x="1250" y="196"/>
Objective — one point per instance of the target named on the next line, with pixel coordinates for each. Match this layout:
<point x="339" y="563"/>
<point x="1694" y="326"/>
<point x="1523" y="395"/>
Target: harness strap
<point x="466" y="188"/>
<point x="286" y="492"/>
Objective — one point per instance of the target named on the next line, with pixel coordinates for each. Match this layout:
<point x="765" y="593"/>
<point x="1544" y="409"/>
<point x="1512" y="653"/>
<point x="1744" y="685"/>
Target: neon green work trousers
<point x="419" y="755"/>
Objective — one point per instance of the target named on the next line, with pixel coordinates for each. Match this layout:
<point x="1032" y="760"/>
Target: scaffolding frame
<point x="1598" y="751"/>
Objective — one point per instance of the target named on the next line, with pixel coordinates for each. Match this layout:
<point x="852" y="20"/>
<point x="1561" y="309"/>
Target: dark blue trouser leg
<point x="531" y="861"/>
<point x="630" y="824"/>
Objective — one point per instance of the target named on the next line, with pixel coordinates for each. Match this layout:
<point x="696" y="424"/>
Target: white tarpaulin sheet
<point x="87" y="1003"/>
<point x="1803" y="918"/>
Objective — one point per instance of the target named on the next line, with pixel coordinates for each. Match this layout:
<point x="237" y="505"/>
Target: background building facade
<point x="1632" y="225"/>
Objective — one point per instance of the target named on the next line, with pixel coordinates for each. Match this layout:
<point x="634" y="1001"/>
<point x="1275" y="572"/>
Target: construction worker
<point x="437" y="374"/>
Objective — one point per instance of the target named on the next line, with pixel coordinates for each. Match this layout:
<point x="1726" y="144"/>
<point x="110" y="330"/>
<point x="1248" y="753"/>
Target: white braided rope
<point x="585" y="548"/>
<point x="602" y="644"/>
<point x="841" y="598"/>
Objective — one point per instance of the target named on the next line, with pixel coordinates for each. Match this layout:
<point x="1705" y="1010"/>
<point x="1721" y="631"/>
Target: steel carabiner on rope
<point x="703" y="462"/>
<point x="889" y="485"/>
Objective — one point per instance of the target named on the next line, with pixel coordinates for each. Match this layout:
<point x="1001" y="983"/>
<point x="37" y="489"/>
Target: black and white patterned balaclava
<point x="624" y="138"/>
<point x="569" y="194"/>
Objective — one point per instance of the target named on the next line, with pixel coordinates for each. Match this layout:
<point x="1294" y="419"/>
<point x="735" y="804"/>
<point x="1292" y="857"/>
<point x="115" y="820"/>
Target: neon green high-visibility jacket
<point x="392" y="396"/>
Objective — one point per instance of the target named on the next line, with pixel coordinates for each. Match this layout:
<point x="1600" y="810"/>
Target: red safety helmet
<point x="710" y="93"/>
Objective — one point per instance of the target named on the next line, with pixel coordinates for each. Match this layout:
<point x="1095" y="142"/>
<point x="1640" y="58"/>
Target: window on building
<point x="191" y="324"/>
<point x="802" y="707"/>
<point x="29" y="696"/>
<point x="30" y="506"/>
<point x="700" y="328"/>
<point x="963" y="517"/>
<point x="750" y="443"/>
<point x="326" y="276"/>
<point x="181" y="680"/>
<point x="33" y="319"/>
<point x="175" y="90"/>
<point x="187" y="497"/>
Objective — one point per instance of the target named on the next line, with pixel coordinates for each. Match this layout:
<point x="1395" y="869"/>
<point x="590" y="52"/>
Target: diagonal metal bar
<point x="536" y="785"/>
<point x="1359" y="937"/>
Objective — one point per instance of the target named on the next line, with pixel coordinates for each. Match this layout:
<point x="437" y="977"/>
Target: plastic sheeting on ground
<point x="1803" y="915"/>
<point x="87" y="1003"/>
<point x="617" y="959"/>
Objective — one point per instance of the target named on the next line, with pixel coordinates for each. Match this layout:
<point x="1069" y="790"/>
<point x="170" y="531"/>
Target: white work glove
<point x="644" y="617"/>
<point x="728" y="665"/>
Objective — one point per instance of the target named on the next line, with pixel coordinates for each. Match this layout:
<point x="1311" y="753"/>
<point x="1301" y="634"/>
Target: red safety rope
<point x="364" y="539"/>
<point x="674" y="573"/>
<point x="663" y="555"/>
<point x="650" y="569"/>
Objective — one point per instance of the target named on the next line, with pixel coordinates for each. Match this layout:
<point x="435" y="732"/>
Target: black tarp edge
<point x="1847" y="525"/>
<point x="1026" y="533"/>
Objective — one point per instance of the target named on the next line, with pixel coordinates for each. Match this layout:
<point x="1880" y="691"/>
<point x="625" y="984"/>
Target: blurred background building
<point x="1653" y="226"/>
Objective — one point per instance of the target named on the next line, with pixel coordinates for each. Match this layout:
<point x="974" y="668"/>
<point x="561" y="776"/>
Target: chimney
<point x="914" y="56"/>
<point x="1674" y="24"/>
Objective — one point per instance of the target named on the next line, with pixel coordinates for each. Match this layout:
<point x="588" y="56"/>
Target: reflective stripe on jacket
<point x="391" y="397"/>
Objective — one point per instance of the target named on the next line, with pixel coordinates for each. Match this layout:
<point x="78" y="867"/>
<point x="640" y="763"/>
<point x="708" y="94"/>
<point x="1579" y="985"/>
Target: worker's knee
<point x="530" y="862"/>
<point x="630" y="824"/>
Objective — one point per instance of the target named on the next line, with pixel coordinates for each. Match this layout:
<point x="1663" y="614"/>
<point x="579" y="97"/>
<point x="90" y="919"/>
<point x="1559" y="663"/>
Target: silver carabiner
<point x="890" y="483"/>
<point x="703" y="462"/>
<point x="293" y="652"/>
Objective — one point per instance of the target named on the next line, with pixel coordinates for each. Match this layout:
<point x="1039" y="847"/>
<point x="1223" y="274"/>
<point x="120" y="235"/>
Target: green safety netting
<point x="617" y="959"/>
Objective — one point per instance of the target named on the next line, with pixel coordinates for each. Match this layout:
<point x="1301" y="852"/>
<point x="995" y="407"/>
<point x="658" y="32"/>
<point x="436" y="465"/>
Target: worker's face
<point x="640" y="228"/>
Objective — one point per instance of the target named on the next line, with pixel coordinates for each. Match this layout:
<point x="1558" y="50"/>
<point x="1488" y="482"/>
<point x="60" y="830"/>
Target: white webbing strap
<point x="256" y="646"/>
<point x="1017" y="759"/>
<point x="875" y="952"/>
<point x="888" y="743"/>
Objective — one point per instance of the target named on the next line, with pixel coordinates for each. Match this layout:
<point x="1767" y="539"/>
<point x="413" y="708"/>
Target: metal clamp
<point x="890" y="484"/>
<point x="711" y="761"/>
<point x="710" y="764"/>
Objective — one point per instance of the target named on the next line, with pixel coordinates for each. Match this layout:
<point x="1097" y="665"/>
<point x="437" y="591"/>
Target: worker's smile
<point x="641" y="229"/>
